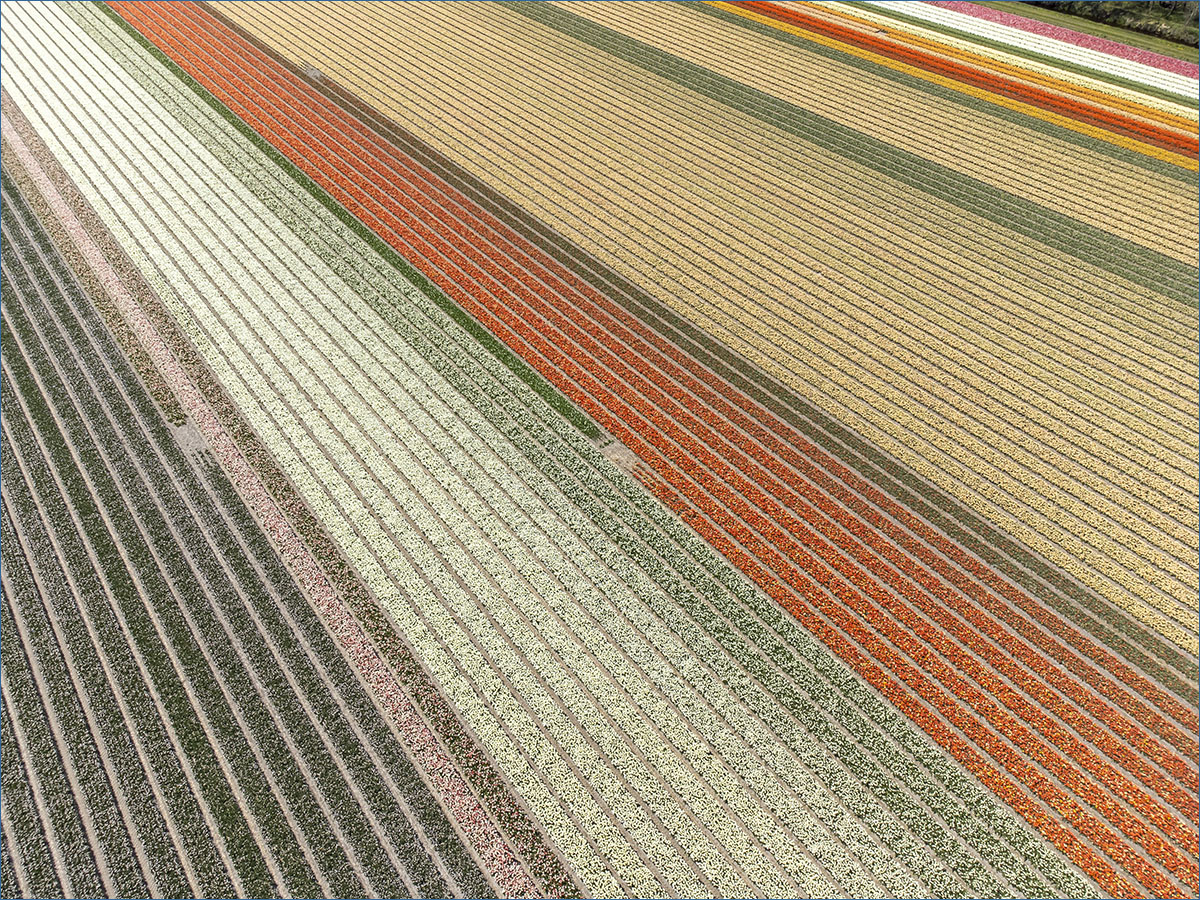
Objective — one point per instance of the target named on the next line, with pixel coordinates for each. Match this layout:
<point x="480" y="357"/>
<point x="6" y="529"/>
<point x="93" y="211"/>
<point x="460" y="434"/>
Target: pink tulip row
<point x="1146" y="57"/>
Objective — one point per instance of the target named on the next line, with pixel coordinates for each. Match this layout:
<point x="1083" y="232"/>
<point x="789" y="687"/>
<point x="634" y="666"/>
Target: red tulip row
<point x="451" y="260"/>
<point x="1089" y="113"/>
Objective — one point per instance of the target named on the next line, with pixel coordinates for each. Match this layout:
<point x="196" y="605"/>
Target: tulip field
<point x="595" y="450"/>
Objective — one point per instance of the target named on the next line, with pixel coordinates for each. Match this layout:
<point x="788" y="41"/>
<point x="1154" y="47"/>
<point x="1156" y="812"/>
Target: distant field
<point x="1087" y="26"/>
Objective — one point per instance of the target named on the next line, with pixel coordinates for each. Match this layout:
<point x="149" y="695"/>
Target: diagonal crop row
<point x="1023" y="90"/>
<point x="1041" y="503"/>
<point x="395" y="824"/>
<point x="39" y="669"/>
<point x="483" y="773"/>
<point x="807" y="421"/>
<point x="541" y="464"/>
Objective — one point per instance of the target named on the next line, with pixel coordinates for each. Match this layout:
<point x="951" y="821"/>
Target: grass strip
<point x="1118" y="256"/>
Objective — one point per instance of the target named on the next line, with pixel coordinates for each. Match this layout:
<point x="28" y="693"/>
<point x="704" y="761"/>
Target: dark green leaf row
<point x="38" y="648"/>
<point x="20" y="808"/>
<point x="198" y="574"/>
<point x="1060" y="232"/>
<point x="9" y="884"/>
<point x="143" y="718"/>
<point x="360" y="831"/>
<point x="959" y="523"/>
<point x="45" y="764"/>
<point x="57" y="605"/>
<point x="92" y="511"/>
<point x="263" y="581"/>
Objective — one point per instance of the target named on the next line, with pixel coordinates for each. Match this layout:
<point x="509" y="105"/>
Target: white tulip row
<point x="1047" y="46"/>
<point x="399" y="477"/>
<point x="1041" y="68"/>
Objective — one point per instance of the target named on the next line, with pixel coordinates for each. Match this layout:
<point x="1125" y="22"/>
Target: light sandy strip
<point x="499" y="860"/>
<point x="1139" y="206"/>
<point x="514" y="174"/>
<point x="1014" y="37"/>
<point x="417" y="547"/>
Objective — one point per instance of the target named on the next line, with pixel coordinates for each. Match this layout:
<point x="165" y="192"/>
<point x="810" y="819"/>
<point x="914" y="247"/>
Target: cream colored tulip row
<point x="962" y="139"/>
